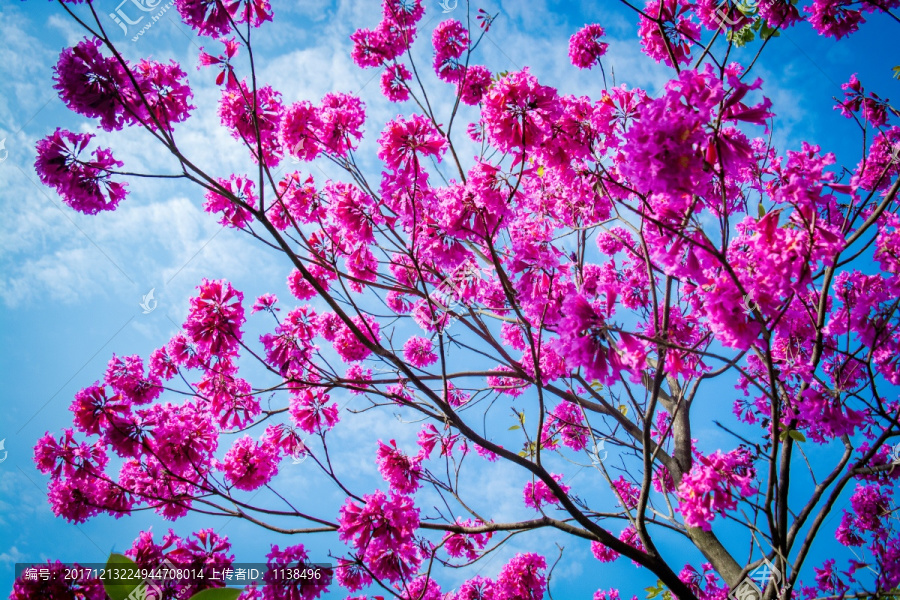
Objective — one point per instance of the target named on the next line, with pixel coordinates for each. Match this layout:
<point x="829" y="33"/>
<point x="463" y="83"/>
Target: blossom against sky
<point x="73" y="286"/>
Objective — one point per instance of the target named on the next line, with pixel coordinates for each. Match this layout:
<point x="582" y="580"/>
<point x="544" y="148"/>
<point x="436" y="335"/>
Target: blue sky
<point x="70" y="285"/>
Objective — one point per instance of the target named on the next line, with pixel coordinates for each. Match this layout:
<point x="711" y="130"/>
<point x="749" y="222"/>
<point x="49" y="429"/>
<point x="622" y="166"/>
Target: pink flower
<point x="342" y="117"/>
<point x="248" y="465"/>
<point x="310" y="412"/>
<point x="402" y="472"/>
<point x="583" y="341"/>
<point x="299" y="131"/>
<point x="474" y="84"/>
<point x="352" y="212"/>
<point x="538" y="493"/>
<point x="166" y="94"/>
<point x="567" y="422"/>
<point x="215" y="318"/>
<point x="183" y="438"/>
<point x="874" y="109"/>
<point x="373" y="48"/>
<point x="404" y="141"/>
<point x="522" y="578"/>
<point x="585" y="47"/>
<point x="466" y="544"/>
<point x="126" y="377"/>
<point x="709" y="487"/>
<point x="603" y="553"/>
<point x="352" y="575"/>
<point x="348" y="346"/>
<point x="162" y="365"/>
<point x="289" y="349"/>
<point x="245" y="114"/>
<point x="296" y="202"/>
<point x="226" y="75"/>
<point x="93" y="85"/>
<point x="92" y="409"/>
<point x="661" y="148"/>
<point x="238" y="190"/>
<point x="518" y="112"/>
<point x="83" y="184"/>
<point x="213" y="17"/>
<point x="393" y="83"/>
<point x="834" y="19"/>
<point x="450" y="40"/>
<point x="278" y="587"/>
<point x="404" y="13"/>
<point x="627" y="493"/>
<point x="230" y="397"/>
<point x="265" y="302"/>
<point x="477" y="588"/>
<point x="681" y="32"/>
<point x="382" y="531"/>
<point x="422" y="588"/>
<point x="418" y="352"/>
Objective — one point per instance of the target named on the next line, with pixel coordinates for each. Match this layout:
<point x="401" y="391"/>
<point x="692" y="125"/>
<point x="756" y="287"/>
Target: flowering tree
<point x="596" y="267"/>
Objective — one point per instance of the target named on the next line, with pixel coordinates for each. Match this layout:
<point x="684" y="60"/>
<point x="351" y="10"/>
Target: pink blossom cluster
<point x="110" y="89"/>
<point x="585" y="47"/>
<point x="84" y="184"/>
<point x="538" y="494"/>
<point x="713" y="486"/>
<point x="214" y="18"/>
<point x="382" y="532"/>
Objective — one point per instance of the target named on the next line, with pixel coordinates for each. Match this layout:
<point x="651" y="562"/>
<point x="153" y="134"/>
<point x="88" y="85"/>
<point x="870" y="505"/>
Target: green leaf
<point x="743" y="37"/>
<point x="217" y="594"/>
<point x="761" y="210"/>
<point x="597" y="385"/>
<point x="514" y="427"/>
<point x="796" y="435"/>
<point x="896" y="71"/>
<point x="769" y="32"/>
<point x="540" y="171"/>
<point x="623" y="409"/>
<point x="118" y="588"/>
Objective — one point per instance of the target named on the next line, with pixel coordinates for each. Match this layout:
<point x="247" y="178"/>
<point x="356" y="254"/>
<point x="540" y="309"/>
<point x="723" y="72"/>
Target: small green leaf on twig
<point x="796" y="435"/>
